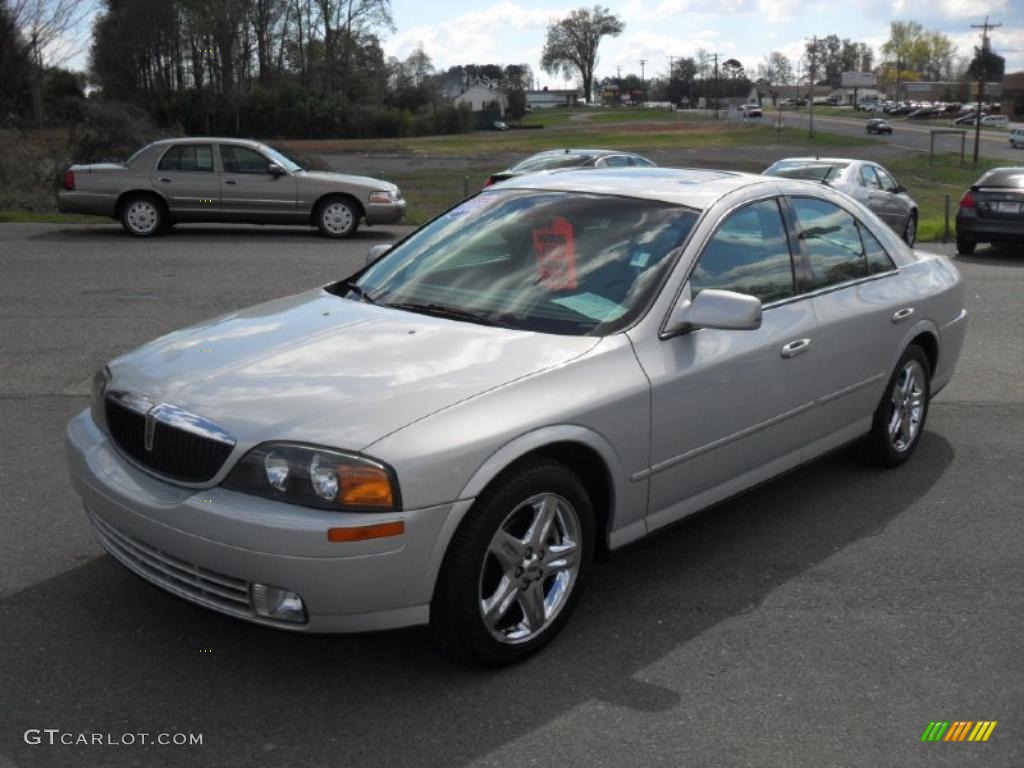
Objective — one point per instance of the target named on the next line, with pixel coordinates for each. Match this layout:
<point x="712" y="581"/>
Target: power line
<point x="982" y="72"/>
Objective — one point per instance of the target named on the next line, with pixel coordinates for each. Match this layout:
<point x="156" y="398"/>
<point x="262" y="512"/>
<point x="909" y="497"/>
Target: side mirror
<point x="376" y="252"/>
<point x="275" y="170"/>
<point x="712" y="308"/>
<point x="899" y="189"/>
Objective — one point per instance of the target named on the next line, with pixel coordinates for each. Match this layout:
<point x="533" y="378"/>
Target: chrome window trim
<point x="220" y="150"/>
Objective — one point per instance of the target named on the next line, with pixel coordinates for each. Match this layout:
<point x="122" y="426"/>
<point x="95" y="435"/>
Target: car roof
<point x="588" y="152"/>
<point x="691" y="187"/>
<point x="1010" y="176"/>
<point x="207" y="140"/>
<point x="818" y="160"/>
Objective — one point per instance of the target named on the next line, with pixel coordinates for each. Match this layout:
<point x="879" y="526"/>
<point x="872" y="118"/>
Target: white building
<point x="481" y="98"/>
<point x="546" y="99"/>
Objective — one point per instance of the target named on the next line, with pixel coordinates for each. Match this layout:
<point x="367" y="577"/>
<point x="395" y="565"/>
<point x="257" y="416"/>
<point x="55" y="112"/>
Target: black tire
<point x="965" y="244"/>
<point x="880" y="448"/>
<point x="337" y="217"/>
<point x="910" y="230"/>
<point x="456" y="608"/>
<point x="142" y="215"/>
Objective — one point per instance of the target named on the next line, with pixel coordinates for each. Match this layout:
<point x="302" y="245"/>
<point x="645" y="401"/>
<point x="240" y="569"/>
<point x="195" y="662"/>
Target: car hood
<point x="323" y="369"/>
<point x="345" y="178"/>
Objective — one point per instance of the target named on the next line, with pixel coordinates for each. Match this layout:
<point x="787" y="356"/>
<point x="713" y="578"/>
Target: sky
<point x="513" y="31"/>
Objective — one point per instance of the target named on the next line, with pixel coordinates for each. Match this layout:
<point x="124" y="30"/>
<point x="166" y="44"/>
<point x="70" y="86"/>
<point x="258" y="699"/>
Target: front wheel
<point x="899" y="419"/>
<point x="337" y="217"/>
<point x="910" y="230"/>
<point x="515" y="568"/>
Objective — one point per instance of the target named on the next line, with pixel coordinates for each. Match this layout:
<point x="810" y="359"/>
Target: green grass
<point x="42" y="217"/>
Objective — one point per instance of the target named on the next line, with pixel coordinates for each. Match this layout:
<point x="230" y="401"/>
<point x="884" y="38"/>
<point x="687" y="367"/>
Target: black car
<point x="557" y="159"/>
<point x="992" y="210"/>
<point x="878" y="125"/>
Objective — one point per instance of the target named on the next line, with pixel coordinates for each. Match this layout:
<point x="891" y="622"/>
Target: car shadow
<point x="221" y="232"/>
<point x="122" y="655"/>
<point x="996" y="256"/>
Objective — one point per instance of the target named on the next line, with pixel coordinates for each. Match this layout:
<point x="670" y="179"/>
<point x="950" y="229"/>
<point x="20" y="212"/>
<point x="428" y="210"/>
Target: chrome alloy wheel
<point x="530" y="568"/>
<point x="907" y="400"/>
<point x="910" y="231"/>
<point x="142" y="217"/>
<point x="337" y="218"/>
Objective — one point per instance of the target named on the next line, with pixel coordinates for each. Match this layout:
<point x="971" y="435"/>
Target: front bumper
<point x="209" y="546"/>
<point x="385" y="213"/>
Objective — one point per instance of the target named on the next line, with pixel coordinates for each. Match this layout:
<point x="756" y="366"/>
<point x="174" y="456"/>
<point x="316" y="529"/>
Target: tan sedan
<point x="229" y="180"/>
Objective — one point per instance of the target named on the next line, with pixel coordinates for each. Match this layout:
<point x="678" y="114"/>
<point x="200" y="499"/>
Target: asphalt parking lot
<point x="821" y="620"/>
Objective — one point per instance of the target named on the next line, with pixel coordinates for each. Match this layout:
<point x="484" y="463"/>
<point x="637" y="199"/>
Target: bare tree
<point x="572" y="43"/>
<point x="52" y="29"/>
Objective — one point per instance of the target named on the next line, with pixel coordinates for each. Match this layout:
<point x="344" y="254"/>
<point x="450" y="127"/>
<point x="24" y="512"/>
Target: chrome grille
<point x="215" y="590"/>
<point x="174" y="448"/>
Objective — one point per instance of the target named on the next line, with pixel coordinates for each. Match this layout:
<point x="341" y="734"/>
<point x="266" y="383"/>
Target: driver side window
<point x="748" y="254"/>
<point x="237" y="159"/>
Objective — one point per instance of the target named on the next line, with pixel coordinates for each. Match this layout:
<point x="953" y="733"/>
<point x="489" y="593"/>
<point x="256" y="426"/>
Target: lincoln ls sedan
<point x="228" y="180"/>
<point x="555" y="367"/>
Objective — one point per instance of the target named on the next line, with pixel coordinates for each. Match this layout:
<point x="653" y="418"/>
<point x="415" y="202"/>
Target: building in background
<point x="546" y="99"/>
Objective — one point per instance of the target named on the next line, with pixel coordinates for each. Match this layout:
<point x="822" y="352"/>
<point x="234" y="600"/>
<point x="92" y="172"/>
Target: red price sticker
<point x="556" y="255"/>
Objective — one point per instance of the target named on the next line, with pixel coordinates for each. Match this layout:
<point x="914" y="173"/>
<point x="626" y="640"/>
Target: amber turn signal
<point x="364" y="486"/>
<point x="364" y="532"/>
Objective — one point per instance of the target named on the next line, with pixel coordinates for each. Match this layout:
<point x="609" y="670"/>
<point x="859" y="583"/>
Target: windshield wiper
<point x="439" y="310"/>
<point x="358" y="290"/>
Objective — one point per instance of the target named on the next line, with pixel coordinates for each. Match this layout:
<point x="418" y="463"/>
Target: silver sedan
<point x="558" y="366"/>
<point x="230" y="180"/>
<point x="864" y="181"/>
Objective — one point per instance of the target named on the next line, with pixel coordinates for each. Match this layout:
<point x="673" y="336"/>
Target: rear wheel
<point x="900" y="417"/>
<point x="337" y="217"/>
<point x="516" y="566"/>
<point x="965" y="244"/>
<point x="142" y="215"/>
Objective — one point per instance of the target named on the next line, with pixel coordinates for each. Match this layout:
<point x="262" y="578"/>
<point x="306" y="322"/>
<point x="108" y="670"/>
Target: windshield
<point x="815" y="171"/>
<point x="281" y="159"/>
<point x="548" y="161"/>
<point x="553" y="262"/>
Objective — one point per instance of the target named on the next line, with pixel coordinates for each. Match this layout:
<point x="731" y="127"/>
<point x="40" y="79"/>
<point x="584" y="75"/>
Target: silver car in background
<point x="559" y="365"/>
<point x="225" y="180"/>
<point x="867" y="182"/>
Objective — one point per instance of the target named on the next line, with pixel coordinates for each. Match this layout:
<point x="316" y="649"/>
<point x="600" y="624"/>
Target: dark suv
<point x="992" y="210"/>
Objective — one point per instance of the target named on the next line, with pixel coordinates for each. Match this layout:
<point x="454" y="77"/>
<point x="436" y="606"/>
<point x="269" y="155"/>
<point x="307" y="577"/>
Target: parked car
<point x="1017" y="137"/>
<point x="751" y="110"/>
<point x="995" y="121"/>
<point x="878" y="125"/>
<point x="560" y="159"/>
<point x="559" y="365"/>
<point x="499" y="125"/>
<point x="868" y="183"/>
<point x="992" y="210"/>
<point x="230" y="180"/>
<point x="969" y="118"/>
<point x="925" y="113"/>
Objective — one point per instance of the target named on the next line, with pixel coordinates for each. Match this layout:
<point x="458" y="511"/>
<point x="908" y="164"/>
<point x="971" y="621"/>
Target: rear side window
<point x="188" y="157"/>
<point x="831" y="241"/>
<point x="748" y="254"/>
<point x="878" y="259"/>
<point x="868" y="177"/>
<point x="236" y="159"/>
<point x="616" y="161"/>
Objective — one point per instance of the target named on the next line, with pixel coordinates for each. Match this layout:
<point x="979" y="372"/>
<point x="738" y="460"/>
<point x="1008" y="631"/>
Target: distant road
<point x="911" y="136"/>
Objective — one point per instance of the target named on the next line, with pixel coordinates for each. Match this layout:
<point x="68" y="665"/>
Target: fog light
<point x="277" y="603"/>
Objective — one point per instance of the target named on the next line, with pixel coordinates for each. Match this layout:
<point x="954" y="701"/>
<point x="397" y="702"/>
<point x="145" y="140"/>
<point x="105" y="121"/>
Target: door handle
<point x="902" y="314"/>
<point x="797" y="347"/>
<point x="165" y="180"/>
<point x="230" y="181"/>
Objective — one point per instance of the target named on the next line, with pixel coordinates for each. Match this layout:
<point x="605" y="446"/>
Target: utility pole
<point x="810" y="93"/>
<point x="716" y="84"/>
<point x="899" y="67"/>
<point x="643" y="88"/>
<point x="981" y="81"/>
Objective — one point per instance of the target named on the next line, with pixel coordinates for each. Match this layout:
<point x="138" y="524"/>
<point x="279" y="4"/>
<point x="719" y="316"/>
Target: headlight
<point x="316" y="477"/>
<point x="100" y="385"/>
<point x="383" y="197"/>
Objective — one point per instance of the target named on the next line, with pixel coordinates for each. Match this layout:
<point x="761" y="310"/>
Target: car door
<point x="249" y="190"/>
<point x="186" y="177"/>
<point x="860" y="306"/>
<point x="897" y="207"/>
<point x="728" y="407"/>
<point x="869" y="192"/>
